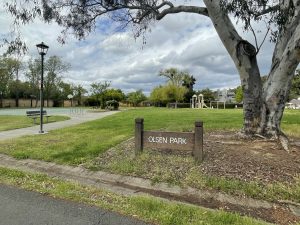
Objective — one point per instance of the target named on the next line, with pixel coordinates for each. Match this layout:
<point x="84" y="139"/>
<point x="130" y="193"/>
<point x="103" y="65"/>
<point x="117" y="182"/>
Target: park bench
<point x="36" y="114"/>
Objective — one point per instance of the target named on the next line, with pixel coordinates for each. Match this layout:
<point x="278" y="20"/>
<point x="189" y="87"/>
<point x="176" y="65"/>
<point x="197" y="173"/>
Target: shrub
<point x="112" y="105"/>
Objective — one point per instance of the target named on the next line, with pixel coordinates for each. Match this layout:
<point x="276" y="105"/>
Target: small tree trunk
<point x="1" y="101"/>
<point x="17" y="99"/>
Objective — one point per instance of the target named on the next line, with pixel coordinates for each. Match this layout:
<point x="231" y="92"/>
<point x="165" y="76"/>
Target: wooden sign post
<point x="190" y="141"/>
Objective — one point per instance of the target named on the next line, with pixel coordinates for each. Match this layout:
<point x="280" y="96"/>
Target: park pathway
<point x="75" y="119"/>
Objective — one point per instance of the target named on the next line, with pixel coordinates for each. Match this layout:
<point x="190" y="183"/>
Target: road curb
<point x="132" y="186"/>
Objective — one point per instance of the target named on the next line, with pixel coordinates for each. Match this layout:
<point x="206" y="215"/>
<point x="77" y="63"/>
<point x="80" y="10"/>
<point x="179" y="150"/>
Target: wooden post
<point x="139" y="128"/>
<point x="198" y="148"/>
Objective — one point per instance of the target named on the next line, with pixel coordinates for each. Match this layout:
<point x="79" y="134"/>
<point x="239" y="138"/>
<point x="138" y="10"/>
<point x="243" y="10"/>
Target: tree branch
<point x="190" y="9"/>
<point x="268" y="10"/>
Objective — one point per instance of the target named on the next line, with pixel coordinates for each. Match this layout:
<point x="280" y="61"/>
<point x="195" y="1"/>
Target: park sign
<point x="169" y="140"/>
<point x="186" y="141"/>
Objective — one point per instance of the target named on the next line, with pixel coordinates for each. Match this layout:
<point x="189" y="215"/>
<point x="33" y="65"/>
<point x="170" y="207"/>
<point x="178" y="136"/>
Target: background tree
<point x="239" y="94"/>
<point x="173" y="75"/>
<point x="23" y="89"/>
<point x="158" y="97"/>
<point x="33" y="76"/>
<point x="136" y="97"/>
<point x="55" y="67"/>
<point x="5" y="79"/>
<point x="188" y="82"/>
<point x="295" y="87"/>
<point x="179" y="82"/>
<point x="174" y="93"/>
<point x="113" y="94"/>
<point x="15" y="66"/>
<point x="98" y="90"/>
<point x="79" y="92"/>
<point x="61" y="93"/>
<point x="12" y="69"/>
<point x="265" y="115"/>
<point x="208" y="95"/>
<point x="167" y="94"/>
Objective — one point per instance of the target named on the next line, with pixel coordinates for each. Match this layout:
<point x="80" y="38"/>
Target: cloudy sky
<point x="185" y="41"/>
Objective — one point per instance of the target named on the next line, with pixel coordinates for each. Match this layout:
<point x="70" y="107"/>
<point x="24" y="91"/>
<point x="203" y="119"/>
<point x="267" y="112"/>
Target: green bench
<point x="34" y="114"/>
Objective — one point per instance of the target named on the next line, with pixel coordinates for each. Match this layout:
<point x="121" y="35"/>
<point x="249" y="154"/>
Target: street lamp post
<point x="42" y="49"/>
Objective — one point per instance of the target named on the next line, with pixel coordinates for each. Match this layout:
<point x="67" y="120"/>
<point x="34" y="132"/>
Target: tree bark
<point x="277" y="86"/>
<point x="243" y="55"/>
<point x="263" y="107"/>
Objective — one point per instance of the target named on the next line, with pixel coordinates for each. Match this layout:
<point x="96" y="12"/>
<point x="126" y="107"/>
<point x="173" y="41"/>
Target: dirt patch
<point x="225" y="155"/>
<point x="249" y="160"/>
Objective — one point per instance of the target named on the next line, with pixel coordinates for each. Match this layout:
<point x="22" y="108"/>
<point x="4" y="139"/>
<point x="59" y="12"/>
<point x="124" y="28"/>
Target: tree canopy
<point x="136" y="97"/>
<point x="239" y="94"/>
<point x="98" y="89"/>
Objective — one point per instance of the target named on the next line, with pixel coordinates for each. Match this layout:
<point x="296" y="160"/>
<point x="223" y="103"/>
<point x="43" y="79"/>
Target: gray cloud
<point x="186" y="41"/>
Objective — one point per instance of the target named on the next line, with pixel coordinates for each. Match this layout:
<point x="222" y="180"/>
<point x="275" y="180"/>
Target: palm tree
<point x="188" y="81"/>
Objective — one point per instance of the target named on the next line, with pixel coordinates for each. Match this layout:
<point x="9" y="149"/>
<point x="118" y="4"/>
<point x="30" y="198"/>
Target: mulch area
<point x="228" y="156"/>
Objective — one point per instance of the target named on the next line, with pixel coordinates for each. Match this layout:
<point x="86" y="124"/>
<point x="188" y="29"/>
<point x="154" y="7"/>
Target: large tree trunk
<point x="276" y="89"/>
<point x="243" y="55"/>
<point x="263" y="109"/>
<point x="252" y="86"/>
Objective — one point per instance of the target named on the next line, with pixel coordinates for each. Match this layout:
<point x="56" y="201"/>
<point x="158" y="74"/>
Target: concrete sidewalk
<point x="75" y="119"/>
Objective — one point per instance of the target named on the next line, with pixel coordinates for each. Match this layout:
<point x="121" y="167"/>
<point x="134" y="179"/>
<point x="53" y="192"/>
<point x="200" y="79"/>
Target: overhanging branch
<point x="190" y="9"/>
<point x="268" y="10"/>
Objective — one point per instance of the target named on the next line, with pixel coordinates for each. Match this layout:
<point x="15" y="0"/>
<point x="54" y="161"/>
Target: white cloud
<point x="186" y="41"/>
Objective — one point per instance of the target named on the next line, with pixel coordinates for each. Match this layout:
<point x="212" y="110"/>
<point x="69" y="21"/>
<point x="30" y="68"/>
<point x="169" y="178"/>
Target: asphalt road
<point x="20" y="207"/>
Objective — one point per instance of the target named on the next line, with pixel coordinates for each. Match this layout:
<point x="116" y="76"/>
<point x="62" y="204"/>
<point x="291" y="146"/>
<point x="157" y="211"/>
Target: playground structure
<point x="198" y="102"/>
<point x="210" y="104"/>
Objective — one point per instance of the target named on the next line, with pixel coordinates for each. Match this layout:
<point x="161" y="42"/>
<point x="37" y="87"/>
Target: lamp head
<point x="42" y="48"/>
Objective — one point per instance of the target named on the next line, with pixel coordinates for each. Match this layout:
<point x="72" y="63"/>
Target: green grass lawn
<point x="84" y="142"/>
<point x="148" y="209"/>
<point x="81" y="144"/>
<point x="291" y="122"/>
<point x="15" y="122"/>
